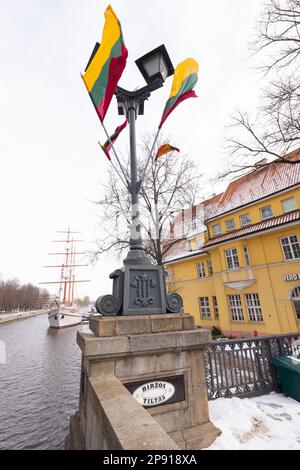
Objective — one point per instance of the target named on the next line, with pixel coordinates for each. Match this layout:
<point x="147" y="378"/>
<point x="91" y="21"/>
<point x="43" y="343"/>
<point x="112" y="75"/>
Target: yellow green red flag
<point x="185" y="78"/>
<point x="165" y="148"/>
<point x="110" y="142"/>
<point x="106" y="64"/>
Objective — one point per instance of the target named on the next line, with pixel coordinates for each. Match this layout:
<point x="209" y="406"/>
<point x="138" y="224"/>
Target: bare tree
<point x="275" y="129"/>
<point x="170" y="183"/>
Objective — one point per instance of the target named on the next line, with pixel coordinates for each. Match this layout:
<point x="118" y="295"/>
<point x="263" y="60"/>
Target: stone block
<point x="194" y="337"/>
<point x="103" y="326"/>
<point x="195" y="359"/>
<point x="198" y="403"/>
<point x="133" y="325"/>
<point x="170" y="419"/>
<point x="188" y="322"/>
<point x="200" y="437"/>
<point x="101" y="368"/>
<point x="166" y="322"/>
<point x="153" y="342"/>
<point x="92" y="346"/>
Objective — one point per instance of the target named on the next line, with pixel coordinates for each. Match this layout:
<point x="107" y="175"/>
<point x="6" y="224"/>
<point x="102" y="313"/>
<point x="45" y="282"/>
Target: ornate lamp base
<point x="138" y="289"/>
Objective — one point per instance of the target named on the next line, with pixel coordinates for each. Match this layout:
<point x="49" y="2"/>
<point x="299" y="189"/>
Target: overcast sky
<point x="51" y="165"/>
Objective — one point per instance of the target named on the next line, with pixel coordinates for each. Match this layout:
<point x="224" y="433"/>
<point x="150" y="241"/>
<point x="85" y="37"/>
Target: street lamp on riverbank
<point x="139" y="286"/>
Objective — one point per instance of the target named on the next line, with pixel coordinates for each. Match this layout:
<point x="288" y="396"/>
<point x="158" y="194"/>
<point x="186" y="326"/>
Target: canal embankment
<point x="9" y="317"/>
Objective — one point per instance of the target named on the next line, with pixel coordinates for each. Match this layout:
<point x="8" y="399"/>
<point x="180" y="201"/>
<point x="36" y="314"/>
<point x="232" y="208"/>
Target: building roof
<point x="260" y="226"/>
<point x="260" y="183"/>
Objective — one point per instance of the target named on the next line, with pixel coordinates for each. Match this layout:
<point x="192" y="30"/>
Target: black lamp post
<point x="139" y="287"/>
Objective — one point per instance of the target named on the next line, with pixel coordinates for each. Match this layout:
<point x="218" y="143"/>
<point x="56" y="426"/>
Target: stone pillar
<point x="159" y="359"/>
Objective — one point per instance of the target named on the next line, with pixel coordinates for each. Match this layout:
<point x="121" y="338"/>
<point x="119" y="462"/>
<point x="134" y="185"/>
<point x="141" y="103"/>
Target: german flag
<point x="163" y="149"/>
<point x="185" y="78"/>
<point x="106" y="64"/>
<point x="108" y="144"/>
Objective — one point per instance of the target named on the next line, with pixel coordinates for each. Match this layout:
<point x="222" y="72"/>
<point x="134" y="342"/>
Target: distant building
<point x="239" y="269"/>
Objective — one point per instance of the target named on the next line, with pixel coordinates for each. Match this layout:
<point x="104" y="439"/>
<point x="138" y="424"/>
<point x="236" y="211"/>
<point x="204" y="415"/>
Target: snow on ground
<point x="263" y="423"/>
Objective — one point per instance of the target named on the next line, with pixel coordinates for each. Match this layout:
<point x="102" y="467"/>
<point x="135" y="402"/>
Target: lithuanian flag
<point x="163" y="149"/>
<point x="185" y="78"/>
<point x="108" y="144"/>
<point x="106" y="64"/>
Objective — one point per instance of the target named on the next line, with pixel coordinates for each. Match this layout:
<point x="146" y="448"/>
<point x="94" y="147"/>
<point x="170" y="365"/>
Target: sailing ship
<point x="65" y="312"/>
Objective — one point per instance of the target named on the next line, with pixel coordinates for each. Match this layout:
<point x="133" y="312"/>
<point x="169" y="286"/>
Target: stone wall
<point x="114" y="420"/>
<point x="124" y="351"/>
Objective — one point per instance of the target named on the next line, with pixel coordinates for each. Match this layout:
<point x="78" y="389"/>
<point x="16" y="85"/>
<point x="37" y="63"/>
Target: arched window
<point x="295" y="296"/>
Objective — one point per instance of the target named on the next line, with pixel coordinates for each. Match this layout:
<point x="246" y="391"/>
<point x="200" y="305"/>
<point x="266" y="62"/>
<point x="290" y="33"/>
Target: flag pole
<point x="120" y="176"/>
<point x="150" y="157"/>
<point x="112" y="146"/>
<point x="125" y="181"/>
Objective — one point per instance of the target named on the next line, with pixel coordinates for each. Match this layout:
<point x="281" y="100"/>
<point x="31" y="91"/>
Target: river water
<point x="39" y="384"/>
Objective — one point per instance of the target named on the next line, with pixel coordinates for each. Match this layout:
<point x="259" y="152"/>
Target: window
<point x="229" y="224"/>
<point x="266" y="212"/>
<point x="289" y="204"/>
<point x="232" y="259"/>
<point x="253" y="307"/>
<point x="216" y="229"/>
<point x="236" y="308"/>
<point x="245" y="219"/>
<point x="201" y="270"/>
<point x="246" y="256"/>
<point x="204" y="307"/>
<point x="210" y="267"/>
<point x="290" y="246"/>
<point x="216" y="308"/>
<point x="296" y="301"/>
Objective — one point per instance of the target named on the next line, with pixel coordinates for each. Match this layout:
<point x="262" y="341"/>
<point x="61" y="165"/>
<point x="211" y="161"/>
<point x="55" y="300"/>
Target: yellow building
<point x="241" y="273"/>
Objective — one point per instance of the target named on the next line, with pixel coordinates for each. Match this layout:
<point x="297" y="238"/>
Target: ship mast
<point x="67" y="280"/>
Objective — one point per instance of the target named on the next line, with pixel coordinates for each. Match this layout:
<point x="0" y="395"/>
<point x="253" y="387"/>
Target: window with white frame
<point x="232" y="259"/>
<point x="201" y="270"/>
<point x="216" y="229"/>
<point x="289" y="204"/>
<point x="296" y="301"/>
<point x="230" y="224"/>
<point x="216" y="308"/>
<point x="253" y="307"/>
<point x="245" y="219"/>
<point x="266" y="212"/>
<point x="204" y="307"/>
<point x="210" y="267"/>
<point x="290" y="247"/>
<point x="236" y="308"/>
<point x="246" y="256"/>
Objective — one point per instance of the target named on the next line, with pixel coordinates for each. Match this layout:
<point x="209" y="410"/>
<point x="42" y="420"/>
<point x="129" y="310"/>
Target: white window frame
<point x="261" y="212"/>
<point x="228" y="229"/>
<point x="236" y="307"/>
<point x="215" y="307"/>
<point x="289" y="199"/>
<point x="247" y="223"/>
<point x="204" y="308"/>
<point x="210" y="268"/>
<point x="201" y="270"/>
<point x="253" y="308"/>
<point x="292" y="247"/>
<point x="232" y="255"/>
<point x="246" y="256"/>
<point x="214" y="231"/>
<point x="295" y="297"/>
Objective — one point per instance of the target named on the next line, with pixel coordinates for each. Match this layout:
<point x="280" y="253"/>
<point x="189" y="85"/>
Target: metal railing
<point x="243" y="367"/>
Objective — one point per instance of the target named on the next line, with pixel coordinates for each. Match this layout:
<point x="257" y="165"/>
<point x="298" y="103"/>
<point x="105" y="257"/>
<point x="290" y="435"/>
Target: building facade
<point x="240" y="272"/>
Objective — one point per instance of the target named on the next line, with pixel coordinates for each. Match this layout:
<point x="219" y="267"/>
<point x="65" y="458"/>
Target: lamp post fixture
<point x="139" y="286"/>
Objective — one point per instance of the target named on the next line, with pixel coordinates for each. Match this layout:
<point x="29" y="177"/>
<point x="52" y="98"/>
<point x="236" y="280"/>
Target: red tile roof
<point x="262" y="182"/>
<point x="260" y="226"/>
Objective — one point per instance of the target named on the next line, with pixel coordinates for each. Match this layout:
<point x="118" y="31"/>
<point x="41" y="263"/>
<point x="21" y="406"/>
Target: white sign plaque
<point x="154" y="393"/>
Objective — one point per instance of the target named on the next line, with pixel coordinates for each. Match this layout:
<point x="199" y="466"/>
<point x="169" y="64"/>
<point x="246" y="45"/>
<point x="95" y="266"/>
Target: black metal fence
<point x="243" y="367"/>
